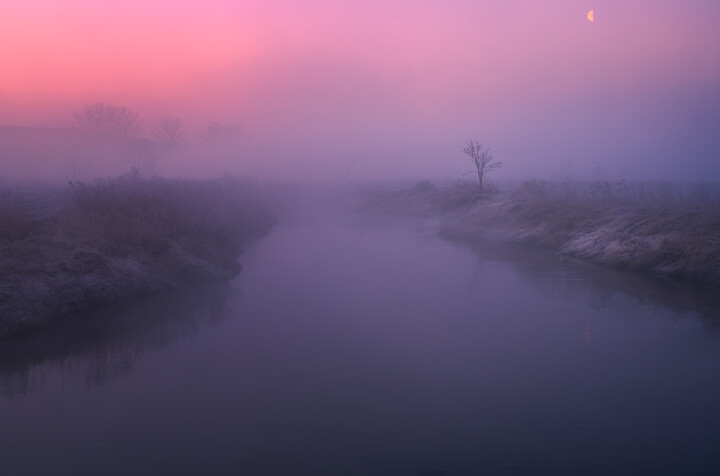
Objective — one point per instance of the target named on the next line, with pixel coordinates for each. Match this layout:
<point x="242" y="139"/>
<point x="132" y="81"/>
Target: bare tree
<point x="482" y="158"/>
<point x="170" y="130"/>
<point x="108" y="119"/>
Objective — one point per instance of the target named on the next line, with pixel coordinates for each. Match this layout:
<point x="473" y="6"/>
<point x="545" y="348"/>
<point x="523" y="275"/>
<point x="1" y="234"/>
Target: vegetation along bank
<point x="62" y="250"/>
<point x="662" y="229"/>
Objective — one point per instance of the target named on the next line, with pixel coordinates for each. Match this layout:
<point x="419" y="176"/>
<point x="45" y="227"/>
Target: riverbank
<point x="669" y="231"/>
<point x="89" y="244"/>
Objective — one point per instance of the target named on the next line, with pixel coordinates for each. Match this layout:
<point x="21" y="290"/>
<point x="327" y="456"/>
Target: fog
<point x="351" y="344"/>
<point x="365" y="90"/>
<point x="359" y="237"/>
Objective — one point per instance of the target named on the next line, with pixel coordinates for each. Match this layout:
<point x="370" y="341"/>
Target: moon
<point x="591" y="15"/>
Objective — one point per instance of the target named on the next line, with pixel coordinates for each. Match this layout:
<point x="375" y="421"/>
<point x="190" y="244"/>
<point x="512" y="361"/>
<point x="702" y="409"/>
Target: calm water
<point x="363" y="348"/>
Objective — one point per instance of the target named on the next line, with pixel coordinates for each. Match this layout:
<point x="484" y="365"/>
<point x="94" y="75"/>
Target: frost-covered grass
<point x="62" y="251"/>
<point x="670" y="230"/>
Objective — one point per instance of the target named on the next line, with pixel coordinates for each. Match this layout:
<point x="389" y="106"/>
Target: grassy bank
<point x="668" y="230"/>
<point x="88" y="244"/>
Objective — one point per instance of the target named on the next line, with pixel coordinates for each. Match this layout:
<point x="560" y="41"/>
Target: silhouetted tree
<point x="170" y="130"/>
<point x="108" y="119"/>
<point x="481" y="157"/>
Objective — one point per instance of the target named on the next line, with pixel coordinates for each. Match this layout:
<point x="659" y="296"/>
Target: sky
<point x="393" y="87"/>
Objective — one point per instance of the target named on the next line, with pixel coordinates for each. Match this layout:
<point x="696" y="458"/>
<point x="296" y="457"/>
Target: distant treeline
<point x="63" y="153"/>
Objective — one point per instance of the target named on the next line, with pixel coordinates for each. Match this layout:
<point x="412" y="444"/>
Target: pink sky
<point x="389" y="83"/>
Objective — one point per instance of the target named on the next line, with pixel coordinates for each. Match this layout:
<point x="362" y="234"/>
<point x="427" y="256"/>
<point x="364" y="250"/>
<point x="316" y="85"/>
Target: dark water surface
<point x="356" y="348"/>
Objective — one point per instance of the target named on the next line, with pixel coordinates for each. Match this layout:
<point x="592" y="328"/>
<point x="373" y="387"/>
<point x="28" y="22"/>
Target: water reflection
<point x="359" y="350"/>
<point x="566" y="277"/>
<point x="100" y="345"/>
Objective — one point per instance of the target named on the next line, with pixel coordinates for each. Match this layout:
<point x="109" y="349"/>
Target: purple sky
<point x="396" y="86"/>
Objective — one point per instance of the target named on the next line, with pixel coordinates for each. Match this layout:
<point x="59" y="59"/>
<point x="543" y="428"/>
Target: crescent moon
<point x="591" y="15"/>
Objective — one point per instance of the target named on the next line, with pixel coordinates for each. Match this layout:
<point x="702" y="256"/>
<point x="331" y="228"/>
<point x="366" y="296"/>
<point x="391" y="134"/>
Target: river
<point x="353" y="346"/>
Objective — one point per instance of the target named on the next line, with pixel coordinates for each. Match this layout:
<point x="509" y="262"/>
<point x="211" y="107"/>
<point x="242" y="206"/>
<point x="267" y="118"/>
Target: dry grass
<point x="113" y="239"/>
<point x="657" y="228"/>
<point x="669" y="230"/>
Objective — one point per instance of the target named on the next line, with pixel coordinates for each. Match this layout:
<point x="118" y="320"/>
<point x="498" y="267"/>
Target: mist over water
<point x="245" y="237"/>
<point x="368" y="346"/>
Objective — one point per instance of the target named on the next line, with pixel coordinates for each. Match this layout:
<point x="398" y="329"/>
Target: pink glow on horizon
<point x="317" y="68"/>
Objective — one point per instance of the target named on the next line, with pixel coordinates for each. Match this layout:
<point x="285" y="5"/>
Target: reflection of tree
<point x="99" y="346"/>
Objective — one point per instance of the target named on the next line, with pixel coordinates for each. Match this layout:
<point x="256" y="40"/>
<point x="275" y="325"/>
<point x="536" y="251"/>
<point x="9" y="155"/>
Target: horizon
<point x="395" y="88"/>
